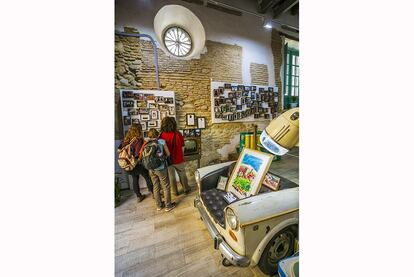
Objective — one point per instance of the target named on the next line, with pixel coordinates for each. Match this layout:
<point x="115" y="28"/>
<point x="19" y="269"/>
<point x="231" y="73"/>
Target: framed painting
<point x="248" y="173"/>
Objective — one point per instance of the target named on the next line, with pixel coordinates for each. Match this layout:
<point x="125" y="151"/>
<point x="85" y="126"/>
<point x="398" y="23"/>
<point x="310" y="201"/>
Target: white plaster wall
<point x="246" y="31"/>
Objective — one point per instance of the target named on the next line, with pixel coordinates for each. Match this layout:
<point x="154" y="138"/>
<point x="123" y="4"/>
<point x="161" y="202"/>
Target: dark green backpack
<point x="149" y="156"/>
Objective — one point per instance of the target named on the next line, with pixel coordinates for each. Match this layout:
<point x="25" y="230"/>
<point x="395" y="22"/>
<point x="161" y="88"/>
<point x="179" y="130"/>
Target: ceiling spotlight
<point x="268" y="26"/>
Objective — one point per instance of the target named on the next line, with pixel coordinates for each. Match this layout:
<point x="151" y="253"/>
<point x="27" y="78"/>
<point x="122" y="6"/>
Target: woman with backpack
<point x="154" y="157"/>
<point x="175" y="143"/>
<point x="135" y="139"/>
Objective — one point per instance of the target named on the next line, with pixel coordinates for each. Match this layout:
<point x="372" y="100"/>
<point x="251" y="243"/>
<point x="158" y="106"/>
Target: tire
<point x="279" y="247"/>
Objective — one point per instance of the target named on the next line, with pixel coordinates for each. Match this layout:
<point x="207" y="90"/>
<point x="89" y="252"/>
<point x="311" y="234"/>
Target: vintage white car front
<point x="258" y="230"/>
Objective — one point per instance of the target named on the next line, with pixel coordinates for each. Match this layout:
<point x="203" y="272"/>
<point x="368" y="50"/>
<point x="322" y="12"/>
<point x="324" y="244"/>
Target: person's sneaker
<point x="140" y="198"/>
<point x="172" y="206"/>
<point x="162" y="207"/>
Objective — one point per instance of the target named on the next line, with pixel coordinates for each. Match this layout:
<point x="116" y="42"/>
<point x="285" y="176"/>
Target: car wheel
<point x="279" y="247"/>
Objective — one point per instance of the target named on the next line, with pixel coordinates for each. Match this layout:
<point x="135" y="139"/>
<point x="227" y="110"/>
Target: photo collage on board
<point x="239" y="102"/>
<point x="147" y="109"/>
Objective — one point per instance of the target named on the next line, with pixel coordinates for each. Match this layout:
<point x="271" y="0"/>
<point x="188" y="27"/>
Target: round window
<point x="177" y="41"/>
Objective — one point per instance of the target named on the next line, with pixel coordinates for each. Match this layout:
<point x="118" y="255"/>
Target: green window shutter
<point x="291" y="77"/>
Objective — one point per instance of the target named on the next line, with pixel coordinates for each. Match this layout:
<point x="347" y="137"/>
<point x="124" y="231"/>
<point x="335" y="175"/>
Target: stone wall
<point x="190" y="80"/>
<point x="277" y="50"/>
<point x="259" y="74"/>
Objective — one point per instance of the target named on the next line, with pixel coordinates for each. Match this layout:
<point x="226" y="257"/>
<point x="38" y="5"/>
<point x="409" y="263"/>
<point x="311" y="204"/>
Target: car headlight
<point x="232" y="219"/>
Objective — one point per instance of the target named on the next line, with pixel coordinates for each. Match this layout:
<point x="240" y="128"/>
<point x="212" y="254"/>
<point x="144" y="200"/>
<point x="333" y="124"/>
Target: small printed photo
<point x="197" y="132"/>
<point x="128" y="103"/>
<point x="216" y="102"/>
<point x="253" y="88"/>
<point x="261" y="89"/>
<point x="271" y="181"/>
<point x="222" y="183"/>
<point x="218" y="115"/>
<point x="215" y="93"/>
<point x="139" y="96"/>
<point x="145" y="117"/>
<point x="240" y="87"/>
<point x="133" y="111"/>
<point x="233" y="88"/>
<point x="143" y="126"/>
<point x="141" y="104"/>
<point x="127" y="94"/>
<point x="127" y="120"/>
<point x="154" y="114"/>
<point x="270" y="89"/>
<point x="144" y="111"/>
<point x="186" y="132"/>
<point x="152" y="124"/>
<point x="227" y="86"/>
<point x="148" y="97"/>
<point x="247" y="88"/>
<point x="152" y="105"/>
<point x="220" y="91"/>
<point x="163" y="114"/>
<point x="135" y="120"/>
<point x="163" y="107"/>
<point x="216" y="109"/>
<point x="168" y="100"/>
<point x="190" y="119"/>
<point x="201" y="122"/>
<point x="238" y="94"/>
<point x="192" y="132"/>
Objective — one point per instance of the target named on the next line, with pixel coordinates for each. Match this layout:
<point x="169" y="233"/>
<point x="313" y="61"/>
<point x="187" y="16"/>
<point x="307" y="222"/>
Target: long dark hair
<point x="168" y="124"/>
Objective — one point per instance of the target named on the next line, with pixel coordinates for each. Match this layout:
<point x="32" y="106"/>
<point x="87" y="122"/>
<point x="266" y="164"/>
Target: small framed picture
<point x="133" y="112"/>
<point x="190" y="119"/>
<point x="127" y="94"/>
<point x="141" y="104"/>
<point x="227" y="86"/>
<point x="149" y="97"/>
<point x="135" y="120"/>
<point x="197" y="132"/>
<point x="152" y="105"/>
<point x="138" y="96"/>
<point x="201" y="122"/>
<point x="144" y="111"/>
<point x="128" y="103"/>
<point x="143" y="126"/>
<point x="154" y="115"/>
<point x="127" y="120"/>
<point x="145" y="117"/>
<point x="152" y="124"/>
<point x="271" y="181"/>
<point x="222" y="183"/>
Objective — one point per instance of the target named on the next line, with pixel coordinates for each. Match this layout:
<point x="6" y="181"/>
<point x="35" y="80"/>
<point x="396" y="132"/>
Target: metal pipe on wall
<point x="154" y="46"/>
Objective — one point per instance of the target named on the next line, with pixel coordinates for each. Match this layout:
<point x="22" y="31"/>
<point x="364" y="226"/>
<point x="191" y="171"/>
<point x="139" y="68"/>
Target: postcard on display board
<point x="249" y="172"/>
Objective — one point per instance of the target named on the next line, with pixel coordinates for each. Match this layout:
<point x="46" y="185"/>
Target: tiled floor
<point x="175" y="243"/>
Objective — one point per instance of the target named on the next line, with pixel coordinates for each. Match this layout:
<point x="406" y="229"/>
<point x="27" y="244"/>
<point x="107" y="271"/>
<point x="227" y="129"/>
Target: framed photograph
<point x="197" y="132"/>
<point x="168" y="100"/>
<point x="148" y="97"/>
<point x="144" y="111"/>
<point x="222" y="183"/>
<point x="152" y="124"/>
<point x="145" y="117"/>
<point x="152" y="105"/>
<point x="139" y="96"/>
<point x="135" y="120"/>
<point x="127" y="94"/>
<point x="201" y="122"/>
<point x="233" y="88"/>
<point x="230" y="197"/>
<point x="133" y="112"/>
<point x="154" y="115"/>
<point x="143" y="126"/>
<point x="227" y="86"/>
<point x="249" y="172"/>
<point x="127" y="120"/>
<point x="271" y="181"/>
<point x="141" y="104"/>
<point x="128" y="103"/>
<point x="190" y="119"/>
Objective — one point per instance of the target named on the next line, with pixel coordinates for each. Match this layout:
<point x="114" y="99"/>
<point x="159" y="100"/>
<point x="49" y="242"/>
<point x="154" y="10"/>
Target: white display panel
<point x="148" y="107"/>
<point x="241" y="103"/>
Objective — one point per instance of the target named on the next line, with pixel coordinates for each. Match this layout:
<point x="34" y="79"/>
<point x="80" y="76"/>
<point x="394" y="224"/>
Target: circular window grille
<point x="177" y="41"/>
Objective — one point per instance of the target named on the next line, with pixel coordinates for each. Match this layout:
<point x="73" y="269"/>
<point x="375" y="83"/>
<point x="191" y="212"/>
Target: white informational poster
<point x="146" y="107"/>
<point x="240" y="103"/>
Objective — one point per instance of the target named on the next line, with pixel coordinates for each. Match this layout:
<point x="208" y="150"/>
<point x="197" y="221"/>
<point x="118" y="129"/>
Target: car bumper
<point x="219" y="242"/>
